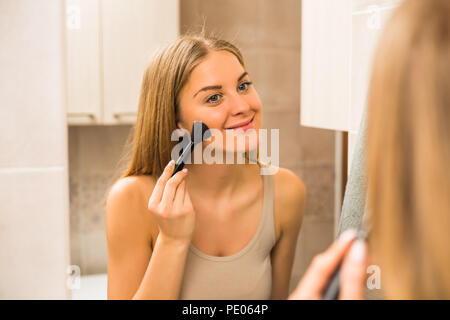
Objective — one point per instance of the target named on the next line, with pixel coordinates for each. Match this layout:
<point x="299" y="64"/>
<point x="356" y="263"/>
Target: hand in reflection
<point x="172" y="207"/>
<point x="353" y="253"/>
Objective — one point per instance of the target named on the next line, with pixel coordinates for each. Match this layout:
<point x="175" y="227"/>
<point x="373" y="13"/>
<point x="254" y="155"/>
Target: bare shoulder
<point x="290" y="187"/>
<point x="290" y="197"/>
<point x="126" y="208"/>
<point x="131" y="187"/>
<point x="130" y="191"/>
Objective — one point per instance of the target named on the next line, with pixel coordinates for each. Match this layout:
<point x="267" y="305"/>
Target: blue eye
<point x="213" y="100"/>
<point x="246" y="85"/>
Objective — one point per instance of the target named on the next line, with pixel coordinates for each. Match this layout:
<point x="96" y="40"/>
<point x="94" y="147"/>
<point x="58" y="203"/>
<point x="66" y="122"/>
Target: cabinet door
<point x="82" y="62"/>
<point x="131" y="31"/>
<point x="338" y="42"/>
<point x="368" y="19"/>
<point x="325" y="79"/>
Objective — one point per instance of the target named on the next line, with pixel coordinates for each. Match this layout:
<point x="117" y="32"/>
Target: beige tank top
<point x="243" y="275"/>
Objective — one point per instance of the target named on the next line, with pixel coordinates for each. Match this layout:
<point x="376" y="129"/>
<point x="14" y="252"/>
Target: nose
<point x="238" y="105"/>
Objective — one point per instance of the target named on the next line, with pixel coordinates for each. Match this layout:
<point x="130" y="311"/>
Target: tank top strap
<point x="268" y="210"/>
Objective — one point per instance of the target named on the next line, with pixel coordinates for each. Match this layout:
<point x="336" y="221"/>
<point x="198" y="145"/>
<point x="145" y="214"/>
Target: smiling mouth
<point x="243" y="125"/>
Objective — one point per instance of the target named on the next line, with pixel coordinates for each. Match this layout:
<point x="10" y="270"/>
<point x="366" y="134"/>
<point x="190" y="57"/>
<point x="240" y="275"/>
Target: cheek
<point x="253" y="100"/>
<point x="212" y="118"/>
<point x="256" y="106"/>
<point x="215" y="119"/>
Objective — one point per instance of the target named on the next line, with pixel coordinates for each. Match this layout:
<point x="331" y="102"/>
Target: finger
<point x="187" y="198"/>
<point x="179" y="195"/>
<point x="353" y="274"/>
<point x="170" y="188"/>
<point x="323" y="266"/>
<point x="161" y="182"/>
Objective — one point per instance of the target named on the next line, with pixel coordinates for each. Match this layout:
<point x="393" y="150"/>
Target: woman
<point x="408" y="165"/>
<point x="213" y="231"/>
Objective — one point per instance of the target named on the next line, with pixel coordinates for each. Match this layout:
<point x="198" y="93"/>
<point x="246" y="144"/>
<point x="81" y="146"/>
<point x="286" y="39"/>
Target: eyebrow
<point x="217" y="86"/>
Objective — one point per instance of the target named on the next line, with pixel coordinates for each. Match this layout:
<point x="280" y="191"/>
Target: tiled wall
<point x="94" y="154"/>
<point x="268" y="34"/>
<point x="34" y="244"/>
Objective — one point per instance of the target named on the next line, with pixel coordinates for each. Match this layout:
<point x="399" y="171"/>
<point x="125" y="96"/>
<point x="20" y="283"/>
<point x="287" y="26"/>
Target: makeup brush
<point x="199" y="133"/>
<point x="333" y="288"/>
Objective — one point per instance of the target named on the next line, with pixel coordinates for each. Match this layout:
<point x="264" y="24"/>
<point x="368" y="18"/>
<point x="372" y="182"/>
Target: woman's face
<point x="220" y="94"/>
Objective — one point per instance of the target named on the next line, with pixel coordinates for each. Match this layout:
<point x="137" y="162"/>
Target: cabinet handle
<point x="90" y="115"/>
<point x="124" y="114"/>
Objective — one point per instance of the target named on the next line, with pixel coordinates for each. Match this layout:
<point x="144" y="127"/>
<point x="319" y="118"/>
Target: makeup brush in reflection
<point x="199" y="133"/>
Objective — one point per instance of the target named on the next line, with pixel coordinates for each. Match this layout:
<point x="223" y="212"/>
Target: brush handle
<point x="194" y="139"/>
<point x="332" y="291"/>
<point x="179" y="164"/>
<point x="178" y="167"/>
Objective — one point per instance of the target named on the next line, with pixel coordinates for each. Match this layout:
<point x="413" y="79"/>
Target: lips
<point x="243" y="125"/>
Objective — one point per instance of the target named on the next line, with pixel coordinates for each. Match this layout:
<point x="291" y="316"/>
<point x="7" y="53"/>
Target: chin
<point x="249" y="145"/>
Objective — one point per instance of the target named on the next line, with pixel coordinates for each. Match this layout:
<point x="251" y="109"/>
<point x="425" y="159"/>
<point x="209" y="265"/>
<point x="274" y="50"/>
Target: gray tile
<point x="319" y="182"/>
<point x="95" y="252"/>
<point x="290" y="152"/>
<point x="317" y="146"/>
<point x="280" y="23"/>
<point x="88" y="201"/>
<point x="190" y="16"/>
<point x="233" y="20"/>
<point x="299" y="145"/>
<point x="76" y="250"/>
<point x="99" y="148"/>
<point x="251" y="23"/>
<point x="276" y="77"/>
<point x="315" y="237"/>
<point x="94" y="155"/>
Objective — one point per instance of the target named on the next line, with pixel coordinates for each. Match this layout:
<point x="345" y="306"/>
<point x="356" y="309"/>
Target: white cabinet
<point x="83" y="62"/>
<point x="109" y="44"/>
<point x="325" y="63"/>
<point x="132" y="31"/>
<point x="338" y="41"/>
<point x="368" y="19"/>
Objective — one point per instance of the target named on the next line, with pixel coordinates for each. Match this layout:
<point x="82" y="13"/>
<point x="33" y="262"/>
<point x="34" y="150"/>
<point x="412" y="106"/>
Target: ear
<point x="179" y="125"/>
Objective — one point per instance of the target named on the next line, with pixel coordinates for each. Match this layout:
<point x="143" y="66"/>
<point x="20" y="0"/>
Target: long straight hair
<point x="409" y="152"/>
<point x="158" y="111"/>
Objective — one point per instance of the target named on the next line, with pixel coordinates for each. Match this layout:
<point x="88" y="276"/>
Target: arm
<point x="134" y="269"/>
<point x="128" y="239"/>
<point x="164" y="274"/>
<point x="290" y="195"/>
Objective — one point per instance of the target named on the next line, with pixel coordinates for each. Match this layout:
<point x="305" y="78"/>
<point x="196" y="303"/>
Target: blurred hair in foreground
<point x="409" y="152"/>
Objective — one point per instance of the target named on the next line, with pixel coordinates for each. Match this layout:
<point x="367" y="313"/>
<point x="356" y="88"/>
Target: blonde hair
<point x="158" y="110"/>
<point x="409" y="152"/>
